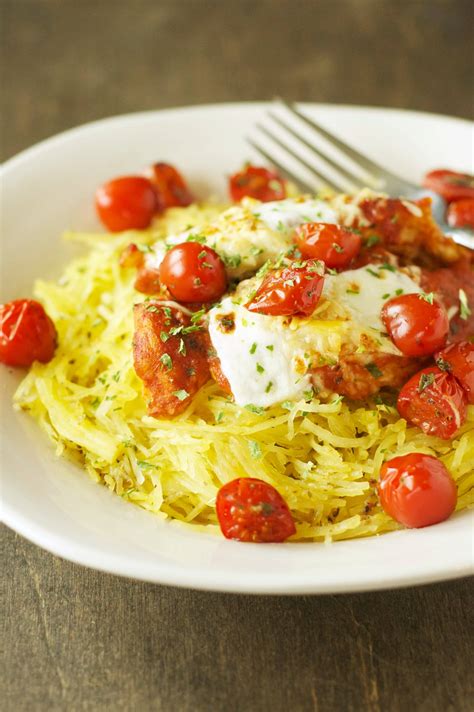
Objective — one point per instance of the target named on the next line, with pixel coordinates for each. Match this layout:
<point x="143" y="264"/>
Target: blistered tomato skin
<point x="127" y="203"/>
<point x="27" y="334"/>
<point x="451" y="185"/>
<point x="292" y="291"/>
<point x="256" y="182"/>
<point x="417" y="490"/>
<point x="170" y="187"/>
<point x="332" y="244"/>
<point x="458" y="359"/>
<point x="251" y="510"/>
<point x="416" y="326"/>
<point x="193" y="273"/>
<point x="434" y="401"/>
<point x="461" y="213"/>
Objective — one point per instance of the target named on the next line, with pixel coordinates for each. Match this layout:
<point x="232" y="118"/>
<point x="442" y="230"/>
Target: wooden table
<point x="76" y="639"/>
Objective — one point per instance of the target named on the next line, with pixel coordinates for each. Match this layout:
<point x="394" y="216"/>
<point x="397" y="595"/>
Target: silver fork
<point x="362" y="173"/>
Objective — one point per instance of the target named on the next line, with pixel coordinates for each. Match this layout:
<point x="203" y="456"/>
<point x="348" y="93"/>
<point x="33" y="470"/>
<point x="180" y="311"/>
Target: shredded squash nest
<point x="324" y="458"/>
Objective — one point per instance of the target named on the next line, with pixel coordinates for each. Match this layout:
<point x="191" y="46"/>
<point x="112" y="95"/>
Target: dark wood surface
<point x="76" y="639"/>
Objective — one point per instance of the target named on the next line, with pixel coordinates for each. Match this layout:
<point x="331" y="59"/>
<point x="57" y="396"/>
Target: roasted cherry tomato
<point x="193" y="273"/>
<point x="418" y="325"/>
<point x="458" y="359"/>
<point x="249" y="509"/>
<point x="330" y="243"/>
<point x="291" y="291"/>
<point x="256" y="182"/>
<point x="461" y="213"/>
<point x="127" y="203"/>
<point x="170" y="186"/>
<point x="451" y="185"/>
<point x="434" y="401"/>
<point x="417" y="490"/>
<point x="27" y="333"/>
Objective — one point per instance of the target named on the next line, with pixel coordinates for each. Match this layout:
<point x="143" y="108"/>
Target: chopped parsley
<point x="464" y="311"/>
<point x="372" y="240"/>
<point x="269" y="387"/>
<point x="164" y="336"/>
<point x="427" y="297"/>
<point x="196" y="238"/>
<point x="269" y="347"/>
<point x="181" y="394"/>
<point x="388" y="267"/>
<point x="232" y="260"/>
<point x="353" y="291"/>
<point x="398" y="292"/>
<point x="255" y="409"/>
<point x="260" y="368"/>
<point x="182" y="347"/>
<point x="152" y="308"/>
<point x="167" y="361"/>
<point x="202" y="255"/>
<point x="426" y="379"/>
<point x="255" y="449"/>
<point x="442" y="364"/>
<point x="372" y="272"/>
<point x="219" y="417"/>
<point x="337" y="247"/>
<point x="253" y="348"/>
<point x="374" y="370"/>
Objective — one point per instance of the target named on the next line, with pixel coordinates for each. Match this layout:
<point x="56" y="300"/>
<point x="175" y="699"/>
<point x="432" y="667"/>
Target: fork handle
<point x="462" y="237"/>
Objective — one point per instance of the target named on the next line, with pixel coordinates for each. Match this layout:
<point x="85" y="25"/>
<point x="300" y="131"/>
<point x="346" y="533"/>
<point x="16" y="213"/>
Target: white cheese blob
<point x="284" y="215"/>
<point x="257" y="356"/>
<point x="363" y="292"/>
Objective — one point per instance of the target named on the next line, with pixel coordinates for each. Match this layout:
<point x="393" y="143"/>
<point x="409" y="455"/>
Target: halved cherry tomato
<point x="417" y="327"/>
<point x="193" y="273"/>
<point x="27" y="333"/>
<point x="249" y="509"/>
<point x="434" y="401"/>
<point x="458" y="359"/>
<point x="256" y="182"/>
<point x="461" y="213"/>
<point x="170" y="186"/>
<point x="127" y="203"/>
<point x="451" y="185"/>
<point x="417" y="490"/>
<point x="292" y="291"/>
<point x="332" y="244"/>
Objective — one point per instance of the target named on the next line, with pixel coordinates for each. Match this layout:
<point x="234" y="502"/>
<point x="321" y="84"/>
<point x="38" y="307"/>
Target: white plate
<point x="50" y="188"/>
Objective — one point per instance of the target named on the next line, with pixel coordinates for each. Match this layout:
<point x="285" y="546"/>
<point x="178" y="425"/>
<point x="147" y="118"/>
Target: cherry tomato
<point x="451" y="185"/>
<point x="170" y="186"/>
<point x="417" y="490"/>
<point x="256" y="182"/>
<point x="330" y="243"/>
<point x="127" y="203"/>
<point x="291" y="291"/>
<point x="249" y="509"/>
<point x="27" y="333"/>
<point x="458" y="359"/>
<point x="193" y="273"/>
<point x="461" y="213"/>
<point x="416" y="326"/>
<point x="434" y="401"/>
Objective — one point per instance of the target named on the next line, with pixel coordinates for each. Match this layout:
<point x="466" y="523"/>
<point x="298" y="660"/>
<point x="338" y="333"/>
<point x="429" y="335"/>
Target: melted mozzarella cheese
<point x="257" y="357"/>
<point x="248" y="235"/>
<point x="266" y="358"/>
<point x="284" y="215"/>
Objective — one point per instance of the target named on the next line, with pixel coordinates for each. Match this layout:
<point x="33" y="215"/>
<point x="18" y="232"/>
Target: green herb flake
<point x="167" y="361"/>
<point x="260" y="368"/>
<point x="182" y="347"/>
<point x="337" y="247"/>
<point x="253" y="348"/>
<point x="255" y="449"/>
<point x="219" y="417"/>
<point x="372" y="240"/>
<point x="181" y="394"/>
<point x="269" y="347"/>
<point x="269" y="387"/>
<point x="426" y="379"/>
<point x="398" y="292"/>
<point x="464" y="311"/>
<point x="427" y="297"/>
<point x="442" y="364"/>
<point x="164" y="336"/>
<point x="372" y="272"/>
<point x="388" y="267"/>
<point x="287" y="405"/>
<point x="386" y="295"/>
<point x="374" y="370"/>
<point x="255" y="409"/>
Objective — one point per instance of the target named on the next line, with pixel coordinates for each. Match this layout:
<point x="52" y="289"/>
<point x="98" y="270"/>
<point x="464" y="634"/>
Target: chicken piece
<point x="170" y="356"/>
<point x="359" y="376"/>
<point x="147" y="280"/>
<point x="407" y="230"/>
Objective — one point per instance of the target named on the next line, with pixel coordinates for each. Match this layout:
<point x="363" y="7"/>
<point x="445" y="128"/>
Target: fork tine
<point x="355" y="180"/>
<point x="361" y="160"/>
<point x="320" y="176"/>
<point x="285" y="172"/>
